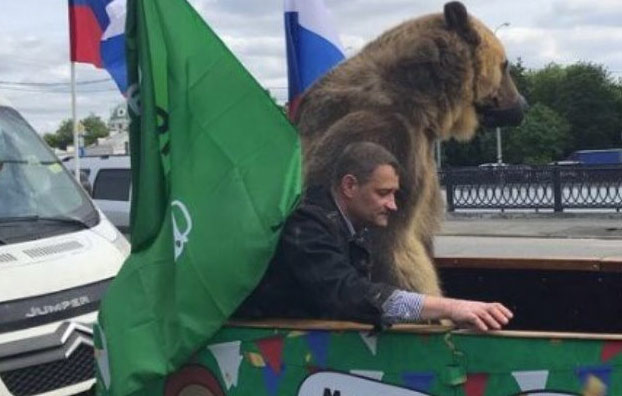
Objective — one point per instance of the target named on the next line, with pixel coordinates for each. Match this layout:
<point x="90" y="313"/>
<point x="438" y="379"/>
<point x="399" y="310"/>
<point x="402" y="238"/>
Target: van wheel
<point x="192" y="381"/>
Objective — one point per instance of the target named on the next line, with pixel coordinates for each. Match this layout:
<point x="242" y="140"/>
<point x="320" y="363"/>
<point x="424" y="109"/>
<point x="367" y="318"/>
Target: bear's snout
<point x="491" y="116"/>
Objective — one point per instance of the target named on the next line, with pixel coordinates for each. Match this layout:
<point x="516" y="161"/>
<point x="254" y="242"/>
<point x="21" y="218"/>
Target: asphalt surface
<point x="544" y="225"/>
<point x="595" y="236"/>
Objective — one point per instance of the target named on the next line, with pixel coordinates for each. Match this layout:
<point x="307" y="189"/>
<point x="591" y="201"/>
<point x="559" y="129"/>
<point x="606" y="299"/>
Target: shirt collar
<point x="349" y="225"/>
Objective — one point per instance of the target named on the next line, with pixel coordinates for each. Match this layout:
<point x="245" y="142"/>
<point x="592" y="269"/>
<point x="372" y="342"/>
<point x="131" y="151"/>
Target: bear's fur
<point x="434" y="77"/>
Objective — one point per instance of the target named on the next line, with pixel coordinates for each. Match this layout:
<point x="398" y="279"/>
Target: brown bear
<point x="434" y="77"/>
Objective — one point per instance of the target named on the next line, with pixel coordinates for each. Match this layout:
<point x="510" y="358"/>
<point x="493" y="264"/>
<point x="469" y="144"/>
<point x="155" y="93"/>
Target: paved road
<point x="533" y="248"/>
<point x="584" y="236"/>
<point x="581" y="225"/>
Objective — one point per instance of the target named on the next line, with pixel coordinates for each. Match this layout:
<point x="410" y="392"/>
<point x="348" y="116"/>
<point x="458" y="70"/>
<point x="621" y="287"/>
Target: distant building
<point x="118" y="141"/>
<point x="119" y="120"/>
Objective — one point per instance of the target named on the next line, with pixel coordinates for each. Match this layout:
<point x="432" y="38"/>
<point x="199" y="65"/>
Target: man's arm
<point x="403" y="306"/>
<point x="326" y="277"/>
<point x="477" y="315"/>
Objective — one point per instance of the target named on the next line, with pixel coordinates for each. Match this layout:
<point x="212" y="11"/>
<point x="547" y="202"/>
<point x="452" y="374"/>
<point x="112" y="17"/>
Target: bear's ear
<point x="457" y="19"/>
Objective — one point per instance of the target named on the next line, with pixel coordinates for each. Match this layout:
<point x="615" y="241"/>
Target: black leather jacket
<point x="319" y="269"/>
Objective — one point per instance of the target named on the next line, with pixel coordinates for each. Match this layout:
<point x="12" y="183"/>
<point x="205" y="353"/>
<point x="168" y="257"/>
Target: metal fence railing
<point x="526" y="187"/>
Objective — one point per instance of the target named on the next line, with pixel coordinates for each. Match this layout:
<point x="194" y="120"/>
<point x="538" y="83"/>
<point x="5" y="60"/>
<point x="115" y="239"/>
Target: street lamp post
<point x="499" y="149"/>
<point x="439" y="164"/>
<point x="504" y="24"/>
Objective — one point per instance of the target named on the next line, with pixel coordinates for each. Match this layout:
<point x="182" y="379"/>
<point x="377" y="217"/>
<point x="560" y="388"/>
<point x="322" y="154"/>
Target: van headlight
<point x="122" y="244"/>
<point x="106" y="230"/>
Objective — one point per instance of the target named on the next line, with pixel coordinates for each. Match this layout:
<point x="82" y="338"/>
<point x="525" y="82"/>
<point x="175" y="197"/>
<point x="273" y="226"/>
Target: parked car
<point x="58" y="254"/>
<point x="111" y="179"/>
<point x="493" y="165"/>
<point x="566" y="163"/>
<point x="598" y="157"/>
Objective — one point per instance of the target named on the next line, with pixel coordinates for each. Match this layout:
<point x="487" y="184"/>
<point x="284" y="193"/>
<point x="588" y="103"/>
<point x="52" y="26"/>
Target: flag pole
<point x="73" y="121"/>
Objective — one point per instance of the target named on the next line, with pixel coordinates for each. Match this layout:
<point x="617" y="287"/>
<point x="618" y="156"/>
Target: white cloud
<point x="538" y="46"/>
<point x="34" y="43"/>
<point x="583" y="13"/>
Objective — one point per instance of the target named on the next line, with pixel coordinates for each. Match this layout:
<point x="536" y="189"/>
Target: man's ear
<point x="349" y="185"/>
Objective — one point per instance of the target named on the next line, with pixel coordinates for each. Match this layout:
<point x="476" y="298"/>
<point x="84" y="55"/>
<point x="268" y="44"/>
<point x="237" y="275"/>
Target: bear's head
<point x="448" y="71"/>
<point x="496" y="101"/>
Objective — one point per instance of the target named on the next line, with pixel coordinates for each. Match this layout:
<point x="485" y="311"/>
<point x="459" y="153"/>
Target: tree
<point x="482" y="148"/>
<point x="545" y="85"/>
<point x="587" y="97"/>
<point x="541" y="138"/>
<point x="521" y="79"/>
<point x="63" y="135"/>
<point x="574" y="107"/>
<point x="51" y="139"/>
<point x="94" y="128"/>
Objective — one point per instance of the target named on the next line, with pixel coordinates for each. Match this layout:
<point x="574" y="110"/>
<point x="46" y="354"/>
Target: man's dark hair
<point x="360" y="160"/>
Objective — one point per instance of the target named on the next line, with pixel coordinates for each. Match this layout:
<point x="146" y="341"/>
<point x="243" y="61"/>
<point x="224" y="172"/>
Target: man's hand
<point x="476" y="315"/>
<point x="479" y="315"/>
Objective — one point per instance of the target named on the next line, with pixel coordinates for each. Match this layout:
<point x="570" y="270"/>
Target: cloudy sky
<point x="34" y="49"/>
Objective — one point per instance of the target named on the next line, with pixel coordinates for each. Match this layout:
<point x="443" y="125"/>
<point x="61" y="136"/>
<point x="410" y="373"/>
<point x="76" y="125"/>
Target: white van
<point x="110" y="179"/>
<point x="58" y="254"/>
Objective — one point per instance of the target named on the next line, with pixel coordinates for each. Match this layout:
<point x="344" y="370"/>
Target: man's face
<point x="370" y="204"/>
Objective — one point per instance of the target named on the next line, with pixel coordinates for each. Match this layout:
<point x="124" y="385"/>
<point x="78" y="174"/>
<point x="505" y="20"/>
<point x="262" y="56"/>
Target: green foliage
<point x="587" y="100"/>
<point x="573" y="107"/>
<point x="545" y="85"/>
<point x="62" y="137"/>
<point x="479" y="150"/>
<point x="587" y="97"/>
<point x="51" y="139"/>
<point x="542" y="137"/>
<point x="94" y="128"/>
<point x="522" y="81"/>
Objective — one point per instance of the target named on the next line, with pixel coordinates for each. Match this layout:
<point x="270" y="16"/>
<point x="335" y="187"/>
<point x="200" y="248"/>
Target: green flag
<point x="216" y="170"/>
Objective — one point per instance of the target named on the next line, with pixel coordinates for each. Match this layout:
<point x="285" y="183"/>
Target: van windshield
<point x="38" y="197"/>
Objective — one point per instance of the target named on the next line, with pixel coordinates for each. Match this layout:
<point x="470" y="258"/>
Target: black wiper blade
<point x="62" y="219"/>
<point x="23" y="162"/>
<point x="17" y="219"/>
<point x="34" y="218"/>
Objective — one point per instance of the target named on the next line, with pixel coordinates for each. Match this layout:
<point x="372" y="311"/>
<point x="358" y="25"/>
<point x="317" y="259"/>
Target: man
<point x="321" y="268"/>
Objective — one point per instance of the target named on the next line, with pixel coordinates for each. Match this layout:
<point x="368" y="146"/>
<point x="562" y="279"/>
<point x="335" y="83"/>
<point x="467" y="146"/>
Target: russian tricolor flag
<point x="313" y="45"/>
<point x="97" y="35"/>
